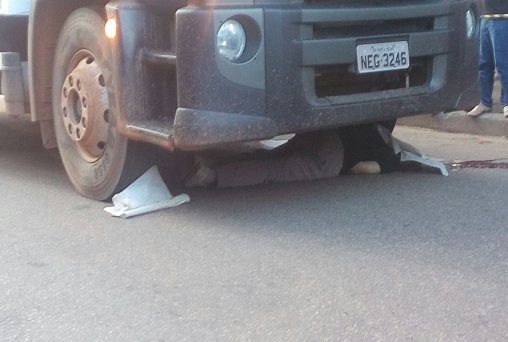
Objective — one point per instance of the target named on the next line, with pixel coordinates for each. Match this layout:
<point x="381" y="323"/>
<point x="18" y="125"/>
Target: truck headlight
<point x="470" y="23"/>
<point x="231" y="40"/>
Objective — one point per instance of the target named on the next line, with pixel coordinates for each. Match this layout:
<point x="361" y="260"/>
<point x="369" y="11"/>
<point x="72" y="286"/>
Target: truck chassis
<point x="195" y="75"/>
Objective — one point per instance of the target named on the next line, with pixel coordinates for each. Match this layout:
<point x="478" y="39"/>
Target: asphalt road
<point x="402" y="256"/>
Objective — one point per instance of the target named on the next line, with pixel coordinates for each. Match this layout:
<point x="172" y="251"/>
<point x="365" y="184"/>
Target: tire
<point x="98" y="160"/>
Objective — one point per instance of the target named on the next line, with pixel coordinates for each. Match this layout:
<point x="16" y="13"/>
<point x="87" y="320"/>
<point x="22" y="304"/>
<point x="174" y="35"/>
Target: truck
<point x="105" y="78"/>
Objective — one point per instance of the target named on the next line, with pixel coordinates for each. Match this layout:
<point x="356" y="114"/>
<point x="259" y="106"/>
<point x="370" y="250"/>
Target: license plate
<point x="382" y="57"/>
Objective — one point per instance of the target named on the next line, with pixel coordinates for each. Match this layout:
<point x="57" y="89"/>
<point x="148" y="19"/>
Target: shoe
<point x="202" y="177"/>
<point x="365" y="168"/>
<point x="480" y="109"/>
<point x="505" y="111"/>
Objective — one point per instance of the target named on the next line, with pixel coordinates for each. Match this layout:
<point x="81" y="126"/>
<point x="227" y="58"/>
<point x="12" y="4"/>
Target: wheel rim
<point x="85" y="106"/>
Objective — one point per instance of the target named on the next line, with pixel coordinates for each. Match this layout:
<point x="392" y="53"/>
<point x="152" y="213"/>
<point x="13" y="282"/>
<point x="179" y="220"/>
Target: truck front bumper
<point x="301" y="73"/>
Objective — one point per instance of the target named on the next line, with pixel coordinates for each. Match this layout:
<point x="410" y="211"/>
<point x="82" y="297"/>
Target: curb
<point x="494" y="124"/>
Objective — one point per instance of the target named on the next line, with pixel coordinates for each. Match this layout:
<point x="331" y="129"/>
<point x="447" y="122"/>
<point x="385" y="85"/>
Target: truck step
<point x="12" y="92"/>
<point x="158" y="57"/>
<point x="158" y="128"/>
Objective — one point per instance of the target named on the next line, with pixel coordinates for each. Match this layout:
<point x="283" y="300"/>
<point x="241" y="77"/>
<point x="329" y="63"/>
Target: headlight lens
<point x="470" y="24"/>
<point x="231" y="40"/>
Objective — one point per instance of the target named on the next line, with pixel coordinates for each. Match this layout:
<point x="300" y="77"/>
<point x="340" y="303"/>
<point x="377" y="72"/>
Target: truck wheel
<point x="98" y="160"/>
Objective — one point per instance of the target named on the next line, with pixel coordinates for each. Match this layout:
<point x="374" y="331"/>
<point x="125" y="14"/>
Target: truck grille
<point x="339" y="80"/>
<point x="332" y="34"/>
<point x="372" y="28"/>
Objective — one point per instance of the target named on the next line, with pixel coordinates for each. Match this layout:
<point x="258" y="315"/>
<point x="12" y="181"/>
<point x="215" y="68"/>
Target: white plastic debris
<point x="147" y="194"/>
<point x="424" y="160"/>
<point x="410" y="154"/>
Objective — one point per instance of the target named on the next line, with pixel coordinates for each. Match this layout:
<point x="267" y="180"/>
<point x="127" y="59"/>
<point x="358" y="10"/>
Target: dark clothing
<point x="312" y="156"/>
<point x="365" y="143"/>
<point x="495" y="7"/>
<point x="306" y="157"/>
<point x="317" y="155"/>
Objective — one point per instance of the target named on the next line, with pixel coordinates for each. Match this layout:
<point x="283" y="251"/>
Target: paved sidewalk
<point x="486" y="124"/>
<point x="494" y="123"/>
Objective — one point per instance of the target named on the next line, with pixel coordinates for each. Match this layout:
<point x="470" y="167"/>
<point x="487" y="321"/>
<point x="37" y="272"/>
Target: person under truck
<point x="364" y="149"/>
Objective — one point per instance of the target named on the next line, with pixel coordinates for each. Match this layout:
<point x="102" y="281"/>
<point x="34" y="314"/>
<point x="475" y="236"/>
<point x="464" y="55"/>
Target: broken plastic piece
<point x="147" y="194"/>
<point x="410" y="155"/>
<point x="424" y="161"/>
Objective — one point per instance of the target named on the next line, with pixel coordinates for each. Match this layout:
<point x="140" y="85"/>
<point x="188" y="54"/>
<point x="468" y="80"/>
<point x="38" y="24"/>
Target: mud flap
<point x="12" y="97"/>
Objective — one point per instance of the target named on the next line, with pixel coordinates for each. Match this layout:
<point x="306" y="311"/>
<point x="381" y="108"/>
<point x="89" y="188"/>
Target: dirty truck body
<point x="194" y="75"/>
